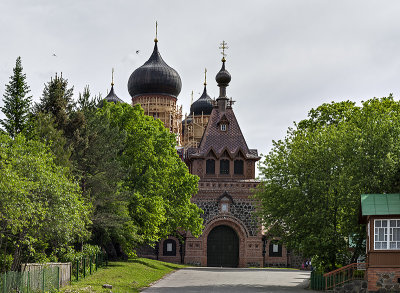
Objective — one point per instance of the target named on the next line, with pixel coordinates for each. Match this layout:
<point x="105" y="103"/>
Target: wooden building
<point x="381" y="213"/>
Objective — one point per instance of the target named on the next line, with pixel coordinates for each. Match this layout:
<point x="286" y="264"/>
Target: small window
<point x="210" y="166"/>
<point x="169" y="247"/>
<point x="223" y="127"/>
<point x="224" y="167"/>
<point x="224" y="207"/>
<point x="238" y="167"/>
<point x="275" y="249"/>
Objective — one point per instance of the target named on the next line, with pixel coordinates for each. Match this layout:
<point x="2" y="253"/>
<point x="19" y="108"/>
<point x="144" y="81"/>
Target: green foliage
<point x="41" y="207"/>
<point x="16" y="102"/>
<point x="57" y="101"/>
<point x="313" y="179"/>
<point x="157" y="182"/>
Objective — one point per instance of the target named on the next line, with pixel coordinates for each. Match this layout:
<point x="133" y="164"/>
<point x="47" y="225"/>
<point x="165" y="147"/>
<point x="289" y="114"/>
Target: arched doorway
<point x="222" y="247"/>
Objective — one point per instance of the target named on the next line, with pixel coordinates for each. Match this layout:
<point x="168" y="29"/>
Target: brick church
<point x="214" y="148"/>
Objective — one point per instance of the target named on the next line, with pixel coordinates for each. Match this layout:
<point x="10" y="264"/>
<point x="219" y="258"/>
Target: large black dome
<point x="155" y="77"/>
<point x="202" y="105"/>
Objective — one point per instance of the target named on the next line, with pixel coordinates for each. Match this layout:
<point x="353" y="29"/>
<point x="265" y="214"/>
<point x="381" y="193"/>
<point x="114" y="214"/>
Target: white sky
<point x="285" y="57"/>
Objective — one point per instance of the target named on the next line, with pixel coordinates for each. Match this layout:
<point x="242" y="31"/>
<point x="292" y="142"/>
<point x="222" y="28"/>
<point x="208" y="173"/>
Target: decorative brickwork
<point x="241" y="209"/>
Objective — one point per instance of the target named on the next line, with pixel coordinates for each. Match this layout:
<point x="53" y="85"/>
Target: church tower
<point x="194" y="125"/>
<point x="156" y="86"/>
<point x="232" y="236"/>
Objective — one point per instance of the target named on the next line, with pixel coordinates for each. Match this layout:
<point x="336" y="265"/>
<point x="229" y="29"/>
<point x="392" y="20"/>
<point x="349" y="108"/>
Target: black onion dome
<point x="112" y="97"/>
<point x="202" y="105"/>
<point x="155" y="77"/>
<point x="223" y="77"/>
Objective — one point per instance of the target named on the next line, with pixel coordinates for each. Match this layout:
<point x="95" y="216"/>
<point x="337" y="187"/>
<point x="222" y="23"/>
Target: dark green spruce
<point x="16" y="102"/>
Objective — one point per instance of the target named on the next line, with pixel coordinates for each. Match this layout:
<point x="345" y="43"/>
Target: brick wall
<point x="383" y="278"/>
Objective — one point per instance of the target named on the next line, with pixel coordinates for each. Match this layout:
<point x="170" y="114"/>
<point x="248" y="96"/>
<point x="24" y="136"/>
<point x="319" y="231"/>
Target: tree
<point x="57" y="101"/>
<point x="41" y="207"/>
<point x="312" y="180"/>
<point x="16" y="102"/>
<point x="157" y="182"/>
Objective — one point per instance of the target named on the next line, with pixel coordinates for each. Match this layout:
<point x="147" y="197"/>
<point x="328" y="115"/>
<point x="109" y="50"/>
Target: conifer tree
<point x="57" y="101"/>
<point x="16" y="102"/>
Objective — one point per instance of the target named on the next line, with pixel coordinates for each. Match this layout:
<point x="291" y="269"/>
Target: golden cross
<point x="223" y="47"/>
<point x="112" y="77"/>
<point x="205" y="76"/>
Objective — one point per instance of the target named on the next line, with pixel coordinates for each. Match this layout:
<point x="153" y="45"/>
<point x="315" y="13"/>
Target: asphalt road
<point x="232" y="280"/>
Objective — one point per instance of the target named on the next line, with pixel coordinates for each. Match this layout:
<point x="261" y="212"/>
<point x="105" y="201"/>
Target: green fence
<point x="44" y="280"/>
<point x="87" y="265"/>
<point x="317" y="281"/>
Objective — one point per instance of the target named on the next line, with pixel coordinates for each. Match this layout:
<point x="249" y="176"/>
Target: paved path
<point x="233" y="280"/>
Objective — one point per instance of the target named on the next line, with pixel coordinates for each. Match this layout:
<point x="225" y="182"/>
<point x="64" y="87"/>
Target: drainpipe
<point x="264" y="239"/>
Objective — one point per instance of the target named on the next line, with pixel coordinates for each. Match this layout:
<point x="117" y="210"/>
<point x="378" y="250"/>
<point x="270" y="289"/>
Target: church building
<point x="214" y="149"/>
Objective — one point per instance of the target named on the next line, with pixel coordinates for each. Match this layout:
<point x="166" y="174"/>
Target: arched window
<point x="210" y="166"/>
<point x="169" y="247"/>
<point x="224" y="167"/>
<point x="238" y="167"/>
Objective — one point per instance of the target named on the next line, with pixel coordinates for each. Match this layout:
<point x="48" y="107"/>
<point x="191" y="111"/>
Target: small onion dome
<point x="202" y="105"/>
<point x="223" y="77"/>
<point x="188" y="120"/>
<point x="155" y="77"/>
<point x="112" y="97"/>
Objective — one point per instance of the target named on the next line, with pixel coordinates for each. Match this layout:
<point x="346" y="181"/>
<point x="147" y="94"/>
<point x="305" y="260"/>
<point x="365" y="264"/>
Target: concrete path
<point x="233" y="280"/>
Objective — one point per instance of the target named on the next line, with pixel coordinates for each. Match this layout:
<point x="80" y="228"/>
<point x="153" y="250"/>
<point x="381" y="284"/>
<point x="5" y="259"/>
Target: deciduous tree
<point x="312" y="180"/>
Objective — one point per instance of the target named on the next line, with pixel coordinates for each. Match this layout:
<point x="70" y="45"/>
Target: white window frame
<point x="223" y="127"/>
<point x="387" y="234"/>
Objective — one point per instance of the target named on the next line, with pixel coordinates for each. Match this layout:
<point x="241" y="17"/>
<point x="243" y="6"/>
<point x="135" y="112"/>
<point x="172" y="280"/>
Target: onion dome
<point x="223" y="77"/>
<point x="112" y="97"/>
<point x="155" y="77"/>
<point x="203" y="104"/>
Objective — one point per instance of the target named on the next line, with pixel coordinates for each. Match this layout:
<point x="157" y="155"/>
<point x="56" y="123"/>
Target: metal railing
<point x="86" y="265"/>
<point x="354" y="271"/>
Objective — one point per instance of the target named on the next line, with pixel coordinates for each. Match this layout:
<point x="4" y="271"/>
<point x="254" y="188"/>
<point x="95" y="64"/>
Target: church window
<point x="224" y="167"/>
<point x="223" y="127"/>
<point x="224" y="207"/>
<point x="169" y="247"/>
<point x="275" y="249"/>
<point x="210" y="166"/>
<point x="238" y="167"/>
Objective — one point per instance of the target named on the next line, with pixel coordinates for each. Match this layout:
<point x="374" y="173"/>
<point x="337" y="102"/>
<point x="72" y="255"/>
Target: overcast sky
<point x="285" y="57"/>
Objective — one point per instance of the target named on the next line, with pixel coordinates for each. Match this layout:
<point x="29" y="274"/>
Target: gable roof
<point x="380" y="204"/>
<point x="218" y="141"/>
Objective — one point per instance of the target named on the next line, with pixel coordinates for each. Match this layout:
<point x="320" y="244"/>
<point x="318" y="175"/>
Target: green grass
<point x="129" y="276"/>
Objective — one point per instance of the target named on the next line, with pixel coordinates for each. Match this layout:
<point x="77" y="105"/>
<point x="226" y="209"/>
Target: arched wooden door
<point x="222" y="247"/>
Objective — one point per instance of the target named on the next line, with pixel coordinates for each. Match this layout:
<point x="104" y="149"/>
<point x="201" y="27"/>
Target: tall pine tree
<point x="16" y="102"/>
<point x="57" y="101"/>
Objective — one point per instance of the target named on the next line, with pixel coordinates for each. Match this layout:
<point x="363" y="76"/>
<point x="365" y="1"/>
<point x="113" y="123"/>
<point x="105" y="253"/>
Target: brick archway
<point x="240" y="230"/>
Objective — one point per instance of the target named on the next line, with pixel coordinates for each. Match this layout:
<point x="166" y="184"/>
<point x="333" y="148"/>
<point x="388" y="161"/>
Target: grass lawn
<point x="127" y="276"/>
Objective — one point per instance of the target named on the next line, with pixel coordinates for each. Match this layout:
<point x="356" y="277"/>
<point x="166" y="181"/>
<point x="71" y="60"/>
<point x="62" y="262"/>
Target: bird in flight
<point x="137" y="51"/>
<point x="54" y="55"/>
